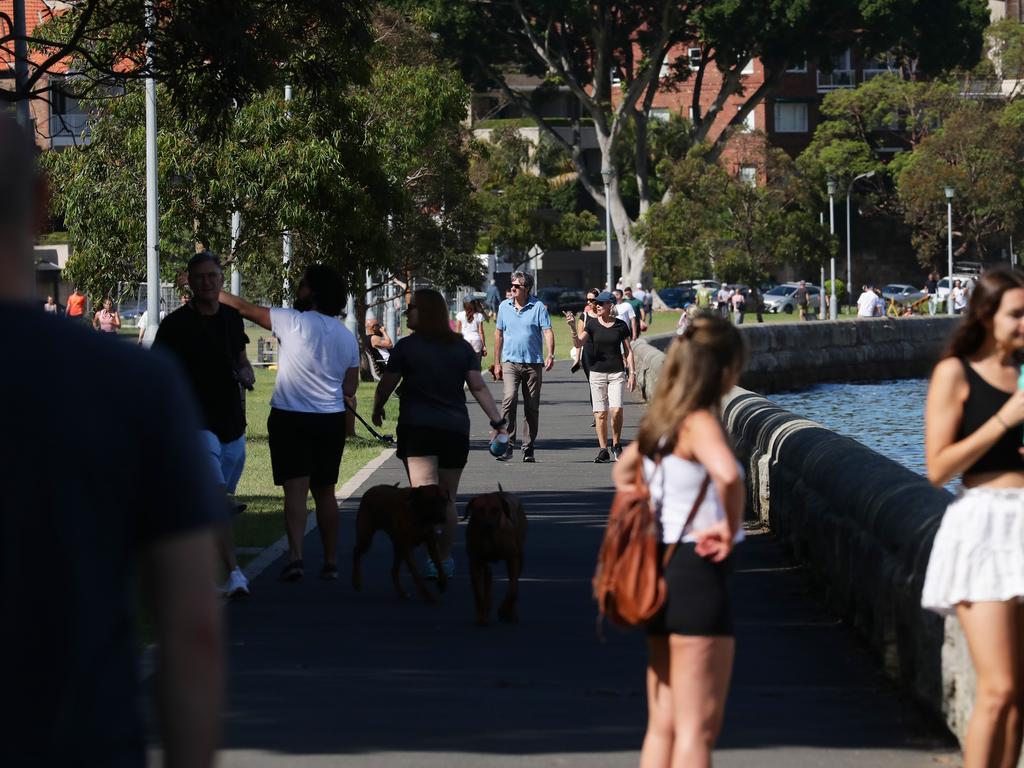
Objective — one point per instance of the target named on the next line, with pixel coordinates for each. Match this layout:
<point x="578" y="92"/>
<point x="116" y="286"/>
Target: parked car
<point x="559" y="299"/>
<point x="780" y="298"/>
<point x="693" y="285"/>
<point x="676" y="297"/>
<point x="902" y="293"/>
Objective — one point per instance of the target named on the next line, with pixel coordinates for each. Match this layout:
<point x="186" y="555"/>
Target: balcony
<point x="868" y="74"/>
<point x="836" y="79"/>
<point x="69" y="129"/>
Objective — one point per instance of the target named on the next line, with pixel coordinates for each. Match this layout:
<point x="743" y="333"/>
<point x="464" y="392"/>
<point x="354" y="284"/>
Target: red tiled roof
<point x="36" y="12"/>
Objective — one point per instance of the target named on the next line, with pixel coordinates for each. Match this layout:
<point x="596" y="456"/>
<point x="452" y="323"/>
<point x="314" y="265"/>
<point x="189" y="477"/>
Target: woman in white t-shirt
<point x="470" y="323"/>
<point x="317" y="372"/>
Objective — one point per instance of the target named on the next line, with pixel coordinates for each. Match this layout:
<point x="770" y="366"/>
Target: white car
<point x="714" y="285"/>
<point x="780" y="298"/>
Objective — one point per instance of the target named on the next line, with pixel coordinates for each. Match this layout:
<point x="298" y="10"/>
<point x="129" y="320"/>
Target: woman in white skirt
<point x="973" y="428"/>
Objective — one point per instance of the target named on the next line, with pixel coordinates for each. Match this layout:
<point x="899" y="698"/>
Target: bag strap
<point x="671" y="549"/>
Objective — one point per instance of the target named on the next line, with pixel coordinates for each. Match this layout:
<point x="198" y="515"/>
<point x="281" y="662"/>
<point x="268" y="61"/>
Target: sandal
<point x="329" y="572"/>
<point x="294" y="571"/>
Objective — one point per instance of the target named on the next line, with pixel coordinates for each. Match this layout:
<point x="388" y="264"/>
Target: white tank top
<point x="674" y="484"/>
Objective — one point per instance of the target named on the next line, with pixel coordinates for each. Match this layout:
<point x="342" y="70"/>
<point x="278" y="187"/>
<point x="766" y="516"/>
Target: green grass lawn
<point x="262" y="523"/>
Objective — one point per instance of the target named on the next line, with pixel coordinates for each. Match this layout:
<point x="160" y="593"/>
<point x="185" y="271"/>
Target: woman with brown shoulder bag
<point x="696" y="487"/>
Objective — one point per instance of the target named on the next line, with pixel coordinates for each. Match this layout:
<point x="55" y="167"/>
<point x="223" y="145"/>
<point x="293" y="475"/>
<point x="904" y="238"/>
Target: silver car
<point x="780" y="298"/>
<point x="902" y="293"/>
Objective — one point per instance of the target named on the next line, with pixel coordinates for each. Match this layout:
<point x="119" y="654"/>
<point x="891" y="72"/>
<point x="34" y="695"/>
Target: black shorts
<point x="698" y="597"/>
<point x="451" y="448"/>
<point x="306" y="445"/>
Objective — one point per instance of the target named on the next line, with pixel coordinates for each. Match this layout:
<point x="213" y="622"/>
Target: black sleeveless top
<point x="983" y="400"/>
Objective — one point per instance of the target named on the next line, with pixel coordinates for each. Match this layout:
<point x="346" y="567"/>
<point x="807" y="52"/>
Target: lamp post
<point x="152" y="195"/>
<point x="606" y="177"/>
<point x="833" y="310"/>
<point x="949" y="248"/>
<point x="849" y="245"/>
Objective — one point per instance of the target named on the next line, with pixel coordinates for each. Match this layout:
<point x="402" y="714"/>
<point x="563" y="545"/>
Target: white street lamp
<point x="849" y="241"/>
<point x="833" y="309"/>
<point x="606" y="177"/>
<point x="949" y="247"/>
<point x="152" y="194"/>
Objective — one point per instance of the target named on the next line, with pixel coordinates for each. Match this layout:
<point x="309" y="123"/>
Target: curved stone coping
<point x="794" y="355"/>
<point x="864" y="526"/>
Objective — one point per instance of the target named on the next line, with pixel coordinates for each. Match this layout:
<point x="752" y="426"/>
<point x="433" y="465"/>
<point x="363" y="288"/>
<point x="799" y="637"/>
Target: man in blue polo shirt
<point x="522" y="322"/>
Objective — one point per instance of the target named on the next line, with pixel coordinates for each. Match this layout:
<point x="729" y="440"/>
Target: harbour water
<point x="885" y="416"/>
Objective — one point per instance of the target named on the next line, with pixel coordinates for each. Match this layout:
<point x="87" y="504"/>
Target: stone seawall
<point x="863" y="524"/>
<point x="795" y="355"/>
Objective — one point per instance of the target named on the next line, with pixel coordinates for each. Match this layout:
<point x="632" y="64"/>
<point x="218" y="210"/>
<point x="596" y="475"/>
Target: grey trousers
<point x="527" y="376"/>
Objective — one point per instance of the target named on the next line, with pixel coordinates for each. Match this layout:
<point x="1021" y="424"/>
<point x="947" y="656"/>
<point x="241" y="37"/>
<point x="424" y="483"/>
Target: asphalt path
<point x="321" y="675"/>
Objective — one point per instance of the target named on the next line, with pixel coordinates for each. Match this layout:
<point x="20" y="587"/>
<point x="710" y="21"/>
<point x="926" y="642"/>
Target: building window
<point x="798" y="68"/>
<point x="790" y="118"/>
<point x="748" y="121"/>
<point x="748" y="68"/>
<point x="661" y="114"/>
<point x="693" y="55"/>
<point x="748" y="175"/>
<point x="666" y="69"/>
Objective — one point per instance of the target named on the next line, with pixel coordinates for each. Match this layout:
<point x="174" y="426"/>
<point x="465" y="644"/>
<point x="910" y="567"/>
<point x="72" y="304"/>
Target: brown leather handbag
<point x="629" y="583"/>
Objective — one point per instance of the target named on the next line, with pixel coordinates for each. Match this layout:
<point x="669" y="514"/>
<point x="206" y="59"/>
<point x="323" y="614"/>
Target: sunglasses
<point x="518" y="285"/>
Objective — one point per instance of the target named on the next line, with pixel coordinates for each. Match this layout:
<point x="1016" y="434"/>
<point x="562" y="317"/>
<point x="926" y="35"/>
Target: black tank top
<point x="983" y="400"/>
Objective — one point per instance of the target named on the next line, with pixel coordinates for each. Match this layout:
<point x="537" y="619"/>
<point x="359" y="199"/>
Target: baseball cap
<point x="604" y="296"/>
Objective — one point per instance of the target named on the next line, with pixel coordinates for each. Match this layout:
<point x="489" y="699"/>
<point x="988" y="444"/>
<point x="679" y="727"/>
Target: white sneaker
<point x="236" y="584"/>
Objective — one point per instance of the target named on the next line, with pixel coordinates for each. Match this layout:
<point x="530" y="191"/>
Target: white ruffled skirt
<point x="978" y="553"/>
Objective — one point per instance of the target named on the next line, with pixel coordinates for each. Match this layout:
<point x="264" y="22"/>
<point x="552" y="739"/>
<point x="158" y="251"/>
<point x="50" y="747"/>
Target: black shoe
<point x="528" y="456"/>
<point x="602" y="457"/>
<point x="507" y="454"/>
<point x="616" y="451"/>
<point x="593" y="424"/>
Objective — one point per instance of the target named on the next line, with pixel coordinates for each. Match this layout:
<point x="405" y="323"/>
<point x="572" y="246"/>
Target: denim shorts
<point x="226" y="459"/>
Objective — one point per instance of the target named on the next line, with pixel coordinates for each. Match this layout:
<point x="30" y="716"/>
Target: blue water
<point x="886" y="416"/>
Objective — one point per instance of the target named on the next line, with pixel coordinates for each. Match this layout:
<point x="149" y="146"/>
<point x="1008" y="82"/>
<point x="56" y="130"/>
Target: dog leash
<point x="386" y="439"/>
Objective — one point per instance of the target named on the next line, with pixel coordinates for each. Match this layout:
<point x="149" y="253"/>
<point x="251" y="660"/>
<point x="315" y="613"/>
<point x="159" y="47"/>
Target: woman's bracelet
<point x="1000" y="420"/>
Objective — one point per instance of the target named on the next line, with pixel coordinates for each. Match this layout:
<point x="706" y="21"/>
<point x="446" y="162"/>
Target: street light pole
<point x="606" y="177"/>
<point x="833" y="310"/>
<point x="286" y="243"/>
<point x="849" y="240"/>
<point x="949" y="248"/>
<point x="152" y="196"/>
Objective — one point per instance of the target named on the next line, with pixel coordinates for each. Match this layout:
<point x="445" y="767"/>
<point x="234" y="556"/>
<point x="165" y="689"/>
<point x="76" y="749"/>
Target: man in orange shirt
<point x="76" y="305"/>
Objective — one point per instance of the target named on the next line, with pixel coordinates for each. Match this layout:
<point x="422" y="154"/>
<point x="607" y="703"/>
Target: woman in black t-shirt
<point x="611" y="370"/>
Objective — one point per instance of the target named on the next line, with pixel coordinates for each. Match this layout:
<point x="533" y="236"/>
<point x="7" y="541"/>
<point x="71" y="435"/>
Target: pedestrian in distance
<point x="78" y="528"/>
<point x="433" y="364"/>
<point x="959" y="298"/>
<point x="50" y="307"/>
<point x="697" y="488"/>
<point x="144" y="320"/>
<point x="931" y="288"/>
<point x="378" y="345"/>
<point x="973" y="428"/>
<point x="866" y="303"/>
<point x="469" y="323"/>
<point x="611" y="371"/>
<point x="108" y="319"/>
<point x="75" y="308"/>
<point x="802" y="300"/>
<point x="756" y="302"/>
<point x="624" y="311"/>
<point x="523" y="324"/>
<point x="208" y="340"/>
<point x="638" y="309"/>
<point x="583" y="355"/>
<point x="317" y="373"/>
<point x="739" y="306"/>
<point x="493" y="298"/>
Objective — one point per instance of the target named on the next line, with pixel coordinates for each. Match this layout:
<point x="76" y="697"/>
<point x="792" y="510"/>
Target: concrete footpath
<point x="323" y="676"/>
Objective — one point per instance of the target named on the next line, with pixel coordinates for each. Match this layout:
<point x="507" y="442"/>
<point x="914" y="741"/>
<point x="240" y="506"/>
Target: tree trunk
<point x="631" y="250"/>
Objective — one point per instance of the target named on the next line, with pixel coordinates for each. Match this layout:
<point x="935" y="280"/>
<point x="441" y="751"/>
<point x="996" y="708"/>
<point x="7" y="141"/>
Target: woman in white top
<point x="698" y="488"/>
<point x="470" y="323"/>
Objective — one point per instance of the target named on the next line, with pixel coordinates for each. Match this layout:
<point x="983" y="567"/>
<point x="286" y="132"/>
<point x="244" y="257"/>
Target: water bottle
<point x="499" y="444"/>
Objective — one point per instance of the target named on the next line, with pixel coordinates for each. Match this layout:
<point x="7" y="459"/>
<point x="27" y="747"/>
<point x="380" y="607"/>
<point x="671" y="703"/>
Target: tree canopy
<point x="577" y="45"/>
<point x="211" y="56"/>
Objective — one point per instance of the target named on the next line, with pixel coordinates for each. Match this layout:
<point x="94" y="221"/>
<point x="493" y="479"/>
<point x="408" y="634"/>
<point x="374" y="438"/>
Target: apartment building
<point x="58" y="120"/>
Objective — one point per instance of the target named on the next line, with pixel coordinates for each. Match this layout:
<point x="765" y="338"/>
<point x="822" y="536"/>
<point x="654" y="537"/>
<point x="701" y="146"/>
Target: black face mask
<point x="303" y="304"/>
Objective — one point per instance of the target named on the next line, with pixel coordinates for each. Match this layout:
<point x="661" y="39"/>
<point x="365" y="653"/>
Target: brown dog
<point x="410" y="516"/>
<point x="496" y="531"/>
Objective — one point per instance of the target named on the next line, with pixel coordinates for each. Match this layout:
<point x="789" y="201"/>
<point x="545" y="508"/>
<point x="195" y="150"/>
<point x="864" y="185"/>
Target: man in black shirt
<point x="208" y="338"/>
<point x="75" y="524"/>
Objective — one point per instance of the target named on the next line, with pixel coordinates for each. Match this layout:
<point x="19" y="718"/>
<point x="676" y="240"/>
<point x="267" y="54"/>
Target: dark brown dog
<point x="496" y="531"/>
<point x="410" y="516"/>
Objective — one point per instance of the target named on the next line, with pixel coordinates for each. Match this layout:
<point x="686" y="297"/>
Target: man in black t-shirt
<point x="208" y="339"/>
<point x="75" y="525"/>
